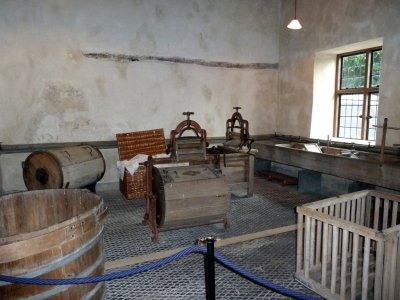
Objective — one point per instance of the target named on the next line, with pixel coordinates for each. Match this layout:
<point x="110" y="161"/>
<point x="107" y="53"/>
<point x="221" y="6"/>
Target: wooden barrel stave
<point x="72" y="248"/>
<point x="89" y="263"/>
<point x="18" y="263"/>
<point x="184" y="201"/>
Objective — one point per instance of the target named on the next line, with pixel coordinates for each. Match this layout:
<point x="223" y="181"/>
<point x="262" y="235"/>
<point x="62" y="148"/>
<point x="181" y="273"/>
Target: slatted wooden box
<point x="130" y="144"/>
<point x="238" y="169"/>
<point x="348" y="247"/>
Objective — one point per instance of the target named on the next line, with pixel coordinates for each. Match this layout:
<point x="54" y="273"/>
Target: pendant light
<point x="294" y="24"/>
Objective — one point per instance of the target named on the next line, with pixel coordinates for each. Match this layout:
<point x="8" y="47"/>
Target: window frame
<point x="366" y="91"/>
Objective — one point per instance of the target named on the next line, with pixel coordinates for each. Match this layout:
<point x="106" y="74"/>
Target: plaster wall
<point x="328" y="25"/>
<point x="50" y="92"/>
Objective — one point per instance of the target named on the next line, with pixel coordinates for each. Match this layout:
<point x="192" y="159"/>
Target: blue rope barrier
<point x="130" y="272"/>
<point x="258" y="280"/>
<point x="105" y="277"/>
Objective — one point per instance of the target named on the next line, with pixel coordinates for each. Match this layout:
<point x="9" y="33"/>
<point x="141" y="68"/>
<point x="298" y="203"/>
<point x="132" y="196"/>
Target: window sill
<point x="355" y="141"/>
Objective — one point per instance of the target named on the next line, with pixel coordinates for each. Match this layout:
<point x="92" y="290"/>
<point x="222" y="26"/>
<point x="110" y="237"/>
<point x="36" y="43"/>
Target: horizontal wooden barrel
<point x="52" y="234"/>
<point x="190" y="196"/>
<point x="68" y="167"/>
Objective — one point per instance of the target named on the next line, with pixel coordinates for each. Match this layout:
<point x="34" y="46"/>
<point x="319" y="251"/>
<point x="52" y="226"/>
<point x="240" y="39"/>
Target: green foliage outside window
<point x="353" y="71"/>
<point x="376" y="68"/>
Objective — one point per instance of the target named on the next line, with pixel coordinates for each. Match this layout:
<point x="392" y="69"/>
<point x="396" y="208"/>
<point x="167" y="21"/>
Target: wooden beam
<point x="220" y="243"/>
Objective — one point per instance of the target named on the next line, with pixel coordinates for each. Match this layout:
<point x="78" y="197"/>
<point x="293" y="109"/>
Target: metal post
<point x="209" y="269"/>
<point x="384" y="131"/>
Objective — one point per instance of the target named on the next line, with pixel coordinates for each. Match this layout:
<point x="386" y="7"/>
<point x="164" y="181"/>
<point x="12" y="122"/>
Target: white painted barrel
<point x="54" y="233"/>
<point x="68" y="167"/>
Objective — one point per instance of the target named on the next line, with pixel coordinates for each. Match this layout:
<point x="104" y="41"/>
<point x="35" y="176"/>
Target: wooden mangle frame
<point x="233" y="124"/>
<point x="235" y="163"/>
<point x="183" y="149"/>
<point x="186" y="148"/>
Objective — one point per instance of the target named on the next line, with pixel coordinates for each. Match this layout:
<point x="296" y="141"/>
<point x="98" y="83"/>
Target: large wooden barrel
<point x="190" y="196"/>
<point x="52" y="234"/>
<point x="68" y="167"/>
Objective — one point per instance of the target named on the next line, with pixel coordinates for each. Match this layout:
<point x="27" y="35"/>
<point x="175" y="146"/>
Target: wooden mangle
<point x="237" y="131"/>
<point x="235" y="156"/>
<point x="189" y="192"/>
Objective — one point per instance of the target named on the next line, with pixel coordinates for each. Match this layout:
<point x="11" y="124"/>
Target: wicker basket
<point x="130" y="144"/>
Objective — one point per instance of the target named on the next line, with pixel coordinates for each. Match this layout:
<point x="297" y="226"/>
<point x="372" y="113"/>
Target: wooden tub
<point x="52" y="234"/>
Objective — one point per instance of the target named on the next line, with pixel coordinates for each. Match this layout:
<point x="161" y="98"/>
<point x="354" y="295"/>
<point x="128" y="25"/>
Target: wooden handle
<point x="88" y="149"/>
<point x="67" y="155"/>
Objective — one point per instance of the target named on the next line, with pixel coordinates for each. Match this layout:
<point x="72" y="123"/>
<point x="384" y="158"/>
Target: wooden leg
<point x="150" y="215"/>
<point x="152" y="220"/>
<point x="147" y="216"/>
<point x="227" y="224"/>
<point x="145" y="219"/>
<point x="250" y="176"/>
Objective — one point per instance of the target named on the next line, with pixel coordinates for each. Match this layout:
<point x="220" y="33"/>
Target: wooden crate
<point x="238" y="169"/>
<point x="348" y="246"/>
<point x="130" y="144"/>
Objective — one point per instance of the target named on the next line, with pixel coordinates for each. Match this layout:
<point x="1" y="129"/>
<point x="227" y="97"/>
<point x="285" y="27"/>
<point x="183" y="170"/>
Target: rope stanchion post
<point x="209" y="268"/>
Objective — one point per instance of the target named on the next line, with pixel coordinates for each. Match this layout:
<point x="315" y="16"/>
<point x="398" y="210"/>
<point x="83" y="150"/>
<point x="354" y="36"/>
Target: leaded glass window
<point x="358" y="94"/>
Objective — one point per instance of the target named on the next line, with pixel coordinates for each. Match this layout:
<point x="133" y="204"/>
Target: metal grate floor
<point x="272" y="258"/>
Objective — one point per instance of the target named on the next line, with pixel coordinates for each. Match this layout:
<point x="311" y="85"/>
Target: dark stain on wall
<point x="94" y="31"/>
<point x="144" y="38"/>
<point x="195" y="6"/>
<point x="180" y="60"/>
<point x="203" y="42"/>
<point x="75" y="55"/>
<point x="207" y="93"/>
<point x="100" y="83"/>
<point x="122" y="67"/>
<point x="50" y="110"/>
<point x="60" y="97"/>
<point x="159" y="12"/>
<point x="137" y="2"/>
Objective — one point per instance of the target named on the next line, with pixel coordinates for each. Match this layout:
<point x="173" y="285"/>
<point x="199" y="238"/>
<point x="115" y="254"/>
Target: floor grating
<point x="272" y="258"/>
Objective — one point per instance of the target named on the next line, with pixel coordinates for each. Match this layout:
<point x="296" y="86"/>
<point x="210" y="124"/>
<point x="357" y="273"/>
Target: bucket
<point x="68" y="167"/>
<point x="52" y="233"/>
